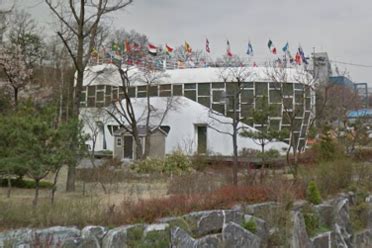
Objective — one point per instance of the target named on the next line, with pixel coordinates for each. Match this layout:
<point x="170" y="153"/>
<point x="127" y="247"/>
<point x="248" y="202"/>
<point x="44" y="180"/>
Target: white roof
<point x="108" y="74"/>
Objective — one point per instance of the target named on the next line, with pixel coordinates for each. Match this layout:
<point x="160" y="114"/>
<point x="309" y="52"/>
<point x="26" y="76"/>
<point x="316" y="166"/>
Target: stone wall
<point x="215" y="228"/>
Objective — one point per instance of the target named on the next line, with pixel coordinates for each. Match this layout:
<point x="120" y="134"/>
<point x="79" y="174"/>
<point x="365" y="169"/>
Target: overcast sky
<point x="343" y="28"/>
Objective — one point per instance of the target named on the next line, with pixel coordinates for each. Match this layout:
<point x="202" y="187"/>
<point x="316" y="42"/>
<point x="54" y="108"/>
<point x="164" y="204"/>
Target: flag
<point x="271" y="47"/>
<point x="228" y="49"/>
<point x="94" y="52"/>
<point x="114" y="47"/>
<point x="302" y="54"/>
<point x="136" y="47"/>
<point x="168" y="49"/>
<point x="207" y="46"/>
<point x="126" y="46"/>
<point x="254" y="64"/>
<point x="152" y="49"/>
<point x="250" y="49"/>
<point x="298" y="58"/>
<point x="187" y="47"/>
<point x="285" y="48"/>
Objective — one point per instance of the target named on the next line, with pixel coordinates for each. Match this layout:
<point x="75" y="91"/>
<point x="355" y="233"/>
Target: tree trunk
<point x="9" y="187"/>
<point x="235" y="141"/>
<point x="54" y="187"/>
<point x="37" y="186"/>
<point x="71" y="174"/>
<point x="16" y="90"/>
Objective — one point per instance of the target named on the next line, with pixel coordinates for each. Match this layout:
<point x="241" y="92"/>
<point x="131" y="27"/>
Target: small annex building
<point x="124" y="145"/>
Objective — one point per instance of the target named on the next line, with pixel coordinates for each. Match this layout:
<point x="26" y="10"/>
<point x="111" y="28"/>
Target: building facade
<point x="289" y="91"/>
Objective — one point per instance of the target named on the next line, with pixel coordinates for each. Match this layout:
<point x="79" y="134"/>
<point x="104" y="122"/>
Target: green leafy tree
<point x="261" y="117"/>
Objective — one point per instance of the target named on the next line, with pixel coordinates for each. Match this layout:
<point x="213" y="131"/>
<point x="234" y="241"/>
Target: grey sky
<point x="340" y="27"/>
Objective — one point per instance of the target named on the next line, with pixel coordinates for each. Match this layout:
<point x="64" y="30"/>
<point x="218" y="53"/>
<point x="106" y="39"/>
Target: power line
<point x="352" y="64"/>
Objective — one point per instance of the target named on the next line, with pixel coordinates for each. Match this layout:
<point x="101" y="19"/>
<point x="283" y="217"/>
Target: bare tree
<point x="294" y="104"/>
<point x="82" y="19"/>
<point x="235" y="77"/>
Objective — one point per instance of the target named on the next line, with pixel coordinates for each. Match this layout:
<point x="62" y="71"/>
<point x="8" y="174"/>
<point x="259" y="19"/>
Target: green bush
<point x="250" y="225"/>
<point x="25" y="183"/>
<point x="313" y="194"/>
<point x="333" y="176"/>
<point x="175" y="163"/>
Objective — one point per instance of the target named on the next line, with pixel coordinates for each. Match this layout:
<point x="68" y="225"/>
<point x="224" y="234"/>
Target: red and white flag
<point x="207" y="46"/>
<point x="152" y="48"/>
<point x="228" y="49"/>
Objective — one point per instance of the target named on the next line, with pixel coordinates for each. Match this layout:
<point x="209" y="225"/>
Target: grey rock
<point x="117" y="237"/>
<point x="262" y="229"/>
<point x="54" y="236"/>
<point x="205" y="222"/>
<point x="342" y="226"/>
<point x="236" y="236"/>
<point x="88" y="242"/>
<point x="265" y="210"/>
<point x="235" y="216"/>
<point x="325" y="213"/>
<point x="156" y="235"/>
<point x="323" y="240"/>
<point x="96" y="231"/>
<point x="16" y="238"/>
<point x="363" y="239"/>
<point x="181" y="239"/>
<point x="210" y="241"/>
<point x="299" y="237"/>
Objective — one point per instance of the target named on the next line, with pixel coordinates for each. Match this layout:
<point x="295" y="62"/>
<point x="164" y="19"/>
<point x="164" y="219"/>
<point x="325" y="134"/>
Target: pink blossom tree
<point x="12" y="64"/>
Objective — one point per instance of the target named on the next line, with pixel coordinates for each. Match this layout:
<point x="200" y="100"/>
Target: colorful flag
<point x="114" y="47"/>
<point x="304" y="59"/>
<point x="271" y="47"/>
<point x="168" y="49"/>
<point x="126" y="46"/>
<point x="152" y="49"/>
<point x="285" y="48"/>
<point x="298" y="58"/>
<point x="207" y="46"/>
<point x="94" y="52"/>
<point x="228" y="49"/>
<point x="250" y="49"/>
<point x="187" y="47"/>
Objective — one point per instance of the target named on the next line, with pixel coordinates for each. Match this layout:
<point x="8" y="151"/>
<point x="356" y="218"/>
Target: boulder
<point x="299" y="237"/>
<point x="205" y="222"/>
<point x="262" y="229"/>
<point x="326" y="214"/>
<point x="363" y="239"/>
<point x="96" y="231"/>
<point x="156" y="235"/>
<point x="16" y="238"/>
<point x="54" y="236"/>
<point x="210" y="241"/>
<point x="124" y="236"/>
<point x="88" y="242"/>
<point x="323" y="240"/>
<point x="342" y="226"/>
<point x="235" y="236"/>
<point x="181" y="239"/>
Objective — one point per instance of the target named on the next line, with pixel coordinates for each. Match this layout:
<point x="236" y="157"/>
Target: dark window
<point x="299" y="97"/>
<point x="218" y="85"/>
<point x="218" y="96"/>
<point x="299" y="86"/>
<point x="261" y="89"/>
<point x="177" y="90"/>
<point x="91" y="90"/>
<point x="275" y="96"/>
<point x="247" y="96"/>
<point x="108" y="90"/>
<point x="204" y="89"/>
<point x="141" y="94"/>
<point x="153" y="90"/>
<point x="189" y="86"/>
<point x="83" y="96"/>
<point x="308" y="103"/>
<point x="165" y="87"/>
<point x="165" y="93"/>
<point x="246" y="110"/>
<point x="128" y="147"/>
<point x="100" y="87"/>
<point x="275" y="124"/>
<point x="288" y="103"/>
<point x="107" y="100"/>
<point x="277" y="110"/>
<point x="190" y="94"/>
<point x="220" y="108"/>
<point x="100" y="96"/>
<point x="248" y="85"/>
<point x="202" y="139"/>
<point x="204" y="101"/>
<point x="91" y="101"/>
<point x="287" y="89"/>
<point x="132" y="91"/>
